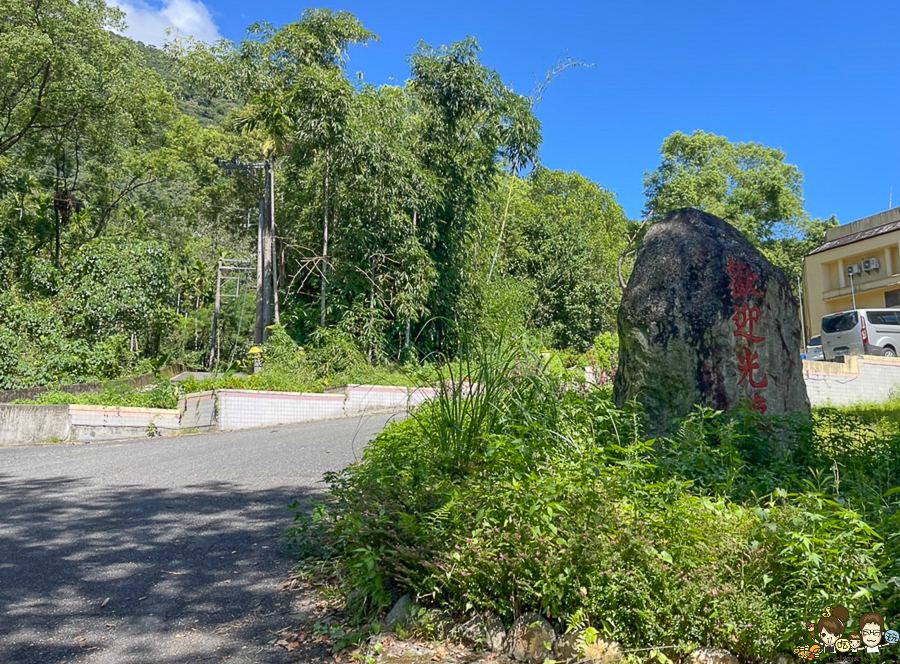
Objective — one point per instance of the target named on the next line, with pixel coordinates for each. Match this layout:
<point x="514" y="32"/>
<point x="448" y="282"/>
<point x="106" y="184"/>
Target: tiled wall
<point x="867" y="379"/>
<point x="420" y="395"/>
<point x="220" y="409"/>
<point x="245" y="409"/>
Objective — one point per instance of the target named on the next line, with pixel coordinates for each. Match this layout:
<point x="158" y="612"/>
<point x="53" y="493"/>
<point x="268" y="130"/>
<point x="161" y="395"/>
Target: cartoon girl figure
<point x="854" y="642"/>
<point x="830" y="628"/>
<point x="871" y="626"/>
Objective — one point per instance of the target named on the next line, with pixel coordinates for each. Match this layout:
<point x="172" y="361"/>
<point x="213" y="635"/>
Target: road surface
<point x="163" y="550"/>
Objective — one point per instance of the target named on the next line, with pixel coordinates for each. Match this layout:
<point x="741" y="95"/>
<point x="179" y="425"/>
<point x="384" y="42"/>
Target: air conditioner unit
<point x="853" y="269"/>
<point x="871" y="264"/>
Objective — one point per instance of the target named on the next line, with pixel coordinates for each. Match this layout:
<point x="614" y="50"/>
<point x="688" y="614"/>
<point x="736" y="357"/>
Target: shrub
<point x="161" y="395"/>
<point x="520" y="495"/>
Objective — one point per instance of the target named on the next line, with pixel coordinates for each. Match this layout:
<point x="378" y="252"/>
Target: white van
<point x="861" y="332"/>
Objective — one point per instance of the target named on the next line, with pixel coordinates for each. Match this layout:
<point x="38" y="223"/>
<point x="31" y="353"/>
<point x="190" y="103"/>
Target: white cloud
<point x="148" y="22"/>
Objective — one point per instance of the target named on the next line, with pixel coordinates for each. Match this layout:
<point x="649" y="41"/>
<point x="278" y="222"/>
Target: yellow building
<point x="858" y="261"/>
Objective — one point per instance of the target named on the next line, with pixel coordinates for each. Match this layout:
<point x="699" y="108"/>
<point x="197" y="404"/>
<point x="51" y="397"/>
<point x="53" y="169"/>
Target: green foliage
<point x="120" y="286"/>
<point x="524" y="495"/>
<point x="564" y="237"/>
<point x="161" y="395"/>
<point x="604" y="353"/>
<point x="39" y="347"/>
<point x="747" y="184"/>
<point x="380" y="198"/>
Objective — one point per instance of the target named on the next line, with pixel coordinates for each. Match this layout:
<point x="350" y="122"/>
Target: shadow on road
<point x="190" y="574"/>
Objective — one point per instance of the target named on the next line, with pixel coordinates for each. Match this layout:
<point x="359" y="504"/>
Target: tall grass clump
<point x="515" y="491"/>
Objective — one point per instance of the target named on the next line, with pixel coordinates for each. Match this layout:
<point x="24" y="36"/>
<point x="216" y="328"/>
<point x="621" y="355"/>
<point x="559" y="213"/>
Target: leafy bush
<point x="520" y="495"/>
<point x="604" y="354"/>
<point x="118" y="284"/>
<point x="161" y="395"/>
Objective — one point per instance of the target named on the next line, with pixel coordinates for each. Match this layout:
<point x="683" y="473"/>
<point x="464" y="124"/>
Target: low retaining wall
<point x="246" y="409"/>
<point x="113" y="422"/>
<point x="864" y="379"/>
<point x="201" y="411"/>
<point x="33" y="424"/>
<point x="198" y="411"/>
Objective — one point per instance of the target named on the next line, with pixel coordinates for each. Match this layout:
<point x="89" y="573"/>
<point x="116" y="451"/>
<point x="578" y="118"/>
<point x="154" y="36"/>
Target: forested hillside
<point x="406" y="217"/>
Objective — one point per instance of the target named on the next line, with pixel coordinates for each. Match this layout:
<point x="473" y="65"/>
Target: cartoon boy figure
<point x="871" y="626"/>
<point x="854" y="642"/>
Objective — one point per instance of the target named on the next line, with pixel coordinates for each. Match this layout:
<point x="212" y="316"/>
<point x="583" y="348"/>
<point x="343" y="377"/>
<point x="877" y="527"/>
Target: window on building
<point x="892" y="298"/>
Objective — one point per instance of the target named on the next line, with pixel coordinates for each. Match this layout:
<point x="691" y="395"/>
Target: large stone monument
<point x="706" y="319"/>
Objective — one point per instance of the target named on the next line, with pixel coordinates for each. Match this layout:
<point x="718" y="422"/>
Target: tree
<point x="293" y="85"/>
<point x="747" y="184"/>
<point x="56" y="57"/>
<point x="80" y="112"/>
<point x="470" y="119"/>
<point x="565" y="236"/>
<point x="118" y="285"/>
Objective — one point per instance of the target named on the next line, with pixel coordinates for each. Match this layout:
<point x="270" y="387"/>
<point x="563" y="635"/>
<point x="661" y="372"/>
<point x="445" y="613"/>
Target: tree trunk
<point x="323" y="301"/>
<point x="512" y="177"/>
<point x="56" y="220"/>
<point x="196" y="328"/>
<point x="371" y="307"/>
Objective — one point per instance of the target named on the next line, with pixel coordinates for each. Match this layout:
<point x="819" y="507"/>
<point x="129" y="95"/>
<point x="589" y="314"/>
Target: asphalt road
<point x="164" y="550"/>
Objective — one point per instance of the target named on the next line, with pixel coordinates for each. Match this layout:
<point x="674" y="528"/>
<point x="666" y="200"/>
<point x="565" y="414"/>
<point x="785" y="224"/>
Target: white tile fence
<point x="865" y="379"/>
<point x="202" y="411"/>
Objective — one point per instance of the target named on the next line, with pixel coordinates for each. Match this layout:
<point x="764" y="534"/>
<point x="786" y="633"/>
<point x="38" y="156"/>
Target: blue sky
<point x="816" y="79"/>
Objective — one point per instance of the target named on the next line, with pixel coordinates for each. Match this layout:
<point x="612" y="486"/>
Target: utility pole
<point x="270" y="211"/>
<point x="266" y="273"/>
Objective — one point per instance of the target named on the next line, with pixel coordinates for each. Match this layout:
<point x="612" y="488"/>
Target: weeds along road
<point x="164" y="550"/>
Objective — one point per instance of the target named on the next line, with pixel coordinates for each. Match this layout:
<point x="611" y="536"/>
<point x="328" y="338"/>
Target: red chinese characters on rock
<point x="742" y="280"/>
<point x="743" y="283"/>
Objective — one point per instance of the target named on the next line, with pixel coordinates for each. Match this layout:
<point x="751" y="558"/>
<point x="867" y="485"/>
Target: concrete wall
<point x="33" y="424"/>
<point x="198" y="411"/>
<point x="370" y="398"/>
<point x="112" y="422"/>
<point x="202" y="411"/>
<point x="866" y="379"/>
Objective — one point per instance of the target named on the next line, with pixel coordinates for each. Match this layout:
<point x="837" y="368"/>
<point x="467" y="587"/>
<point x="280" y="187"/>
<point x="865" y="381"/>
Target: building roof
<point x="861" y="229"/>
<point x="858" y="237"/>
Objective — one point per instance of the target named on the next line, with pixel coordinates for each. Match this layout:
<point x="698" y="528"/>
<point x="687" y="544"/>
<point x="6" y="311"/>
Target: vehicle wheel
<point x="889" y="352"/>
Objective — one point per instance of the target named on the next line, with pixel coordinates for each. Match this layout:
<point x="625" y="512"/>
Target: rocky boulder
<point x="706" y="319"/>
<point x="568" y="650"/>
<point x="482" y="632"/>
<point x="712" y="657"/>
<point x="530" y="639"/>
<point x="399" y="613"/>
